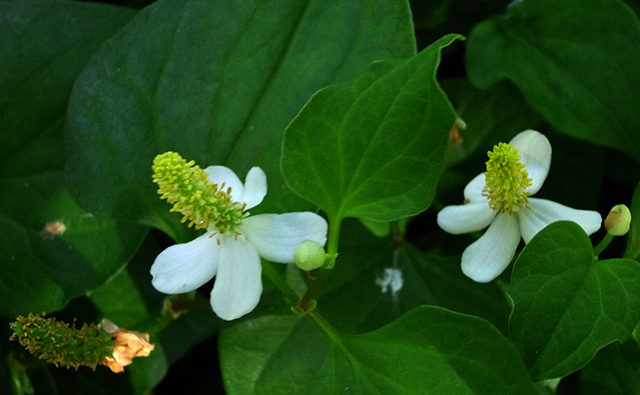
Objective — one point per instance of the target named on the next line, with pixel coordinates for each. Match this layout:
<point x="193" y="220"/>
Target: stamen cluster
<point x="202" y="202"/>
<point x="506" y="179"/>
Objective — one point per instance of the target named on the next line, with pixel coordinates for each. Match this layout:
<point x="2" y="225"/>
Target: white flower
<point x="233" y="256"/>
<point x="504" y="206"/>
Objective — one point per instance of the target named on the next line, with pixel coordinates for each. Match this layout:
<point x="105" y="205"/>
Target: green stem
<point x="306" y="304"/>
<point x="279" y="282"/>
<point x="602" y="245"/>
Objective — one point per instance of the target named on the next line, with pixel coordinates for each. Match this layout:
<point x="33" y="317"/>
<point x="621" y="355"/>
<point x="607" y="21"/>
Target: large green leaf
<point x="218" y="82"/>
<point x="574" y="60"/>
<point x="373" y="148"/>
<point x="567" y="303"/>
<point x="421" y="352"/>
<point x="43" y="46"/>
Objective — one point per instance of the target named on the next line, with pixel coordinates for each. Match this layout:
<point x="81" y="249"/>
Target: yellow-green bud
<point x="618" y="220"/>
<point x="309" y="255"/>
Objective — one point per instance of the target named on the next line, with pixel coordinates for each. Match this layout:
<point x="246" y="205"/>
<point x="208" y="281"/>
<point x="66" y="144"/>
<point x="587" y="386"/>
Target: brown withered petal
<point x="128" y="345"/>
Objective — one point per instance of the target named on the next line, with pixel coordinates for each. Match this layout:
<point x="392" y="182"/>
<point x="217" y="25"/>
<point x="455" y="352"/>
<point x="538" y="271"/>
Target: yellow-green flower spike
<point x="506" y="179"/>
<point x="61" y="344"/>
<point x="202" y="202"/>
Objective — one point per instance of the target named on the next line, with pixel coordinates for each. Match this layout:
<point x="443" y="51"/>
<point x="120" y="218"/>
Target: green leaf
<point x="567" y="304"/>
<point x="373" y="148"/>
<point x="633" y="245"/>
<point x="43" y="269"/>
<point x="43" y="46"/>
<point x="575" y="62"/>
<point x="422" y="352"/>
<point x="217" y="82"/>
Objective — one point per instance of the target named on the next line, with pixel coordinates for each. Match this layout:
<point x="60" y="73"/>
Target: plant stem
<point x="279" y="282"/>
<point x="602" y="245"/>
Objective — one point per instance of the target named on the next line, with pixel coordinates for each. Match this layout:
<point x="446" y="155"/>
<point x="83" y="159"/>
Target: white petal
<point x="473" y="190"/>
<point x="238" y="285"/>
<point x="535" y="153"/>
<point x="184" y="267"/>
<point x="466" y="218"/>
<point x="255" y="188"/>
<point x="487" y="257"/>
<point x="544" y="212"/>
<point x="221" y="174"/>
<point x="275" y="236"/>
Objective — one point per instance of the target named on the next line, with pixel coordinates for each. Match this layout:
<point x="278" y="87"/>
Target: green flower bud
<point x="309" y="255"/>
<point x="618" y="220"/>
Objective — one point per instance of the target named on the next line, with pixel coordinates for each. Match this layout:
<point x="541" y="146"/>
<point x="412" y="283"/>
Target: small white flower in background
<point x="392" y="278"/>
<point x="231" y="248"/>
<point x="499" y="199"/>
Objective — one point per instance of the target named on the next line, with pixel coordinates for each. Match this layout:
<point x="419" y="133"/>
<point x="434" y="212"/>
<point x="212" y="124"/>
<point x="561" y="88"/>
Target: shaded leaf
<point x="575" y="62"/>
<point x="43" y="46"/>
<point x="363" y="269"/>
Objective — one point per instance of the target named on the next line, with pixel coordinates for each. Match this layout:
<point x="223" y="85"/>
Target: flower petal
<point x="473" y="190"/>
<point x="184" y="267"/>
<point x="238" y="284"/>
<point x="487" y="257"/>
<point x="544" y="212"/>
<point x="535" y="153"/>
<point x="466" y="218"/>
<point x="221" y="174"/>
<point x="255" y="188"/>
<point x="275" y="236"/>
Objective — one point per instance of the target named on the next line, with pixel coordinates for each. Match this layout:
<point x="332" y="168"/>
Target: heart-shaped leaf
<point x="567" y="303"/>
<point x="373" y="148"/>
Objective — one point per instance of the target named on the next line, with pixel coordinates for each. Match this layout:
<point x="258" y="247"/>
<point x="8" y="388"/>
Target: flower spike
<point x="200" y="201"/>
<point x="506" y="179"/>
<point x="92" y="345"/>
